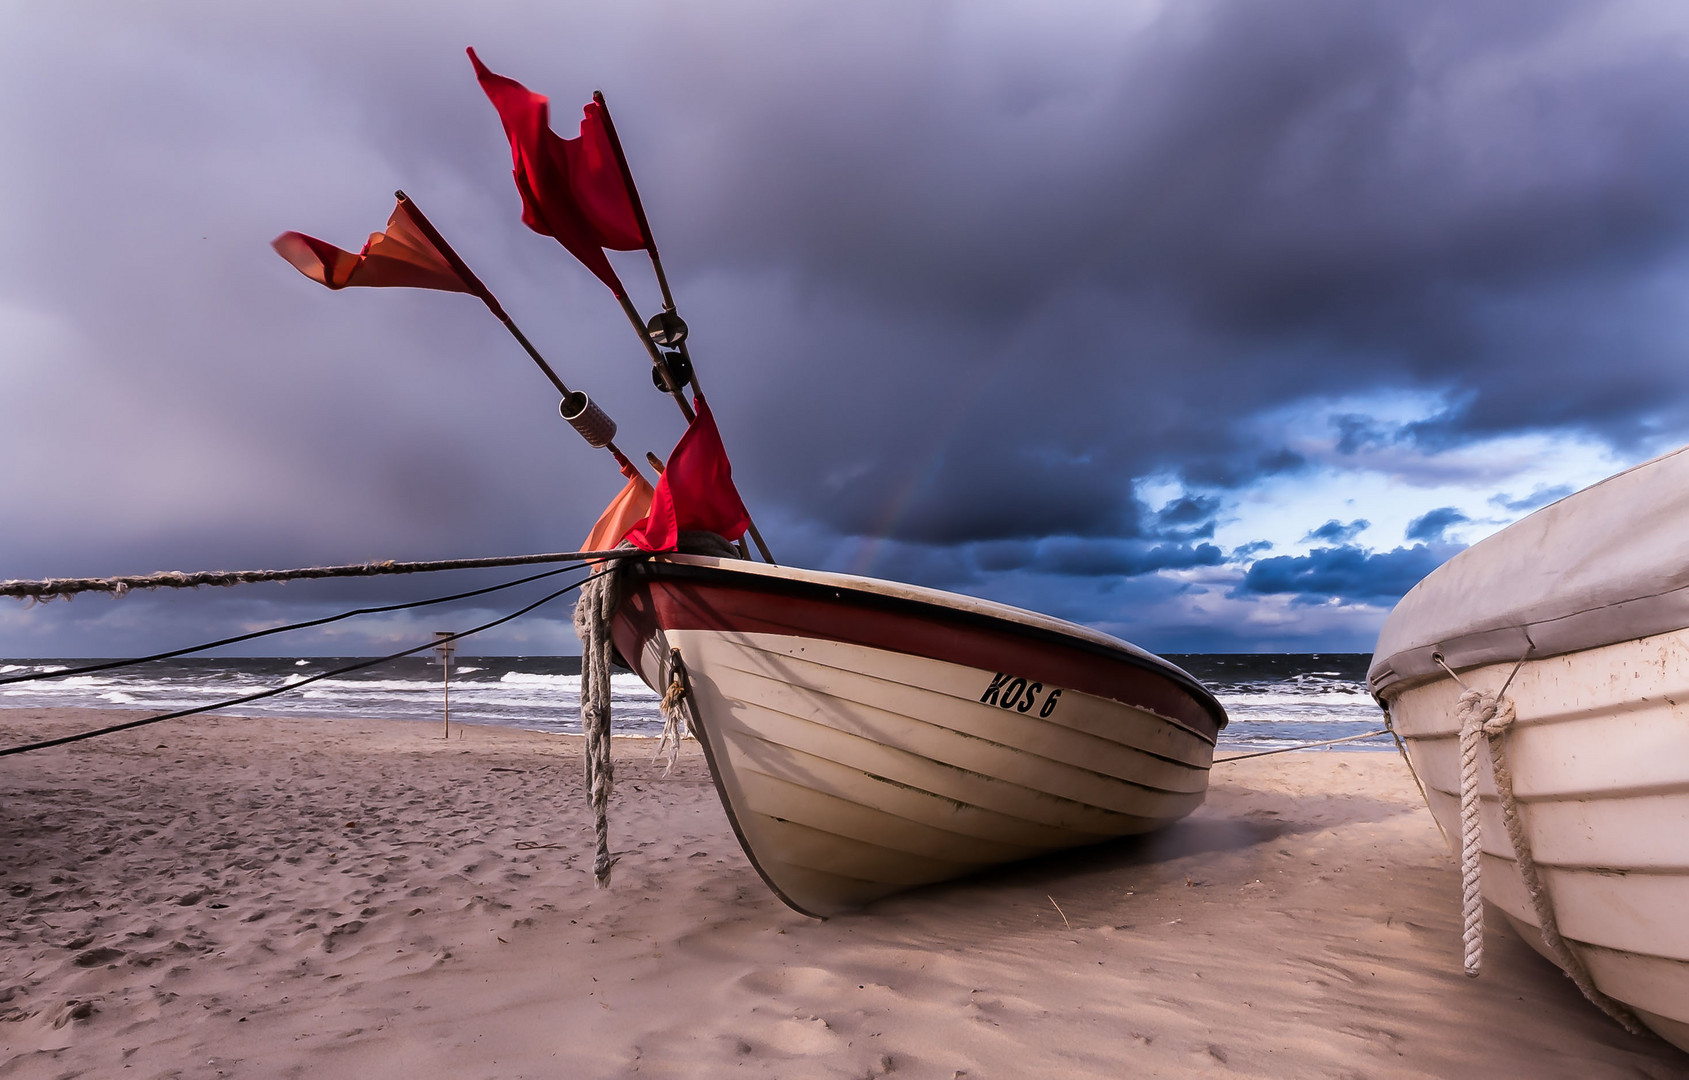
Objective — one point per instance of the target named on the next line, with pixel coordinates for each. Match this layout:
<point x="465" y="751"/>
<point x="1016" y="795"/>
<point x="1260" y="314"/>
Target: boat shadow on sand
<point x="1228" y="838"/>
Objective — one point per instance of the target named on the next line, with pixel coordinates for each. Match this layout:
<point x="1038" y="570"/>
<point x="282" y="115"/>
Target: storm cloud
<point x="1033" y="303"/>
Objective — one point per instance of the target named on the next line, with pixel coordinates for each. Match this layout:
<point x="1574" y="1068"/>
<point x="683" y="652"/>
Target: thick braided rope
<point x="50" y="588"/>
<point x="1495" y="729"/>
<point x="593" y="611"/>
<point x="1472" y="712"/>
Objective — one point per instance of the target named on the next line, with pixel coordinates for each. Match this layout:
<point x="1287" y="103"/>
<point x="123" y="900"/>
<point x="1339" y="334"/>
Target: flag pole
<point x="638" y="207"/>
<point x="486" y="296"/>
<point x="668" y="297"/>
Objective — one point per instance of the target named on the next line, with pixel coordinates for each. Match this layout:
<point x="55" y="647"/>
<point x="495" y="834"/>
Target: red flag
<point x="695" y="491"/>
<point x="572" y="189"/>
<point x="624" y="512"/>
<point x="401" y="256"/>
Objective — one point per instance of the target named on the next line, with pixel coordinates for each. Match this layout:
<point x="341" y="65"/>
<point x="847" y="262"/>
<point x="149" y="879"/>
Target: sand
<point x="310" y="898"/>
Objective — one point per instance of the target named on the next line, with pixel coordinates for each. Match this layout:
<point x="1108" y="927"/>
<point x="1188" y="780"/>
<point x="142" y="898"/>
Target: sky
<point x="1213" y="324"/>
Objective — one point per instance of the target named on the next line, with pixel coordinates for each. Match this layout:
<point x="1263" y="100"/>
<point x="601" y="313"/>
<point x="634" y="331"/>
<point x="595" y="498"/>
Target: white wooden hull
<point x="1600" y="758"/>
<point x="854" y="770"/>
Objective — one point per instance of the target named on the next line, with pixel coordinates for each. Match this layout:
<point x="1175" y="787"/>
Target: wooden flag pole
<point x="668" y="297"/>
<point x="486" y="296"/>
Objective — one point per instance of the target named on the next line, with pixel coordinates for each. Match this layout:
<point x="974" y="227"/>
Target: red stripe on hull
<point x="664" y="596"/>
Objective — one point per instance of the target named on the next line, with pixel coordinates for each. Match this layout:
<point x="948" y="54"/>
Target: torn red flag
<point x="403" y="256"/>
<point x="572" y="189"/>
<point x="624" y="512"/>
<point x="695" y="492"/>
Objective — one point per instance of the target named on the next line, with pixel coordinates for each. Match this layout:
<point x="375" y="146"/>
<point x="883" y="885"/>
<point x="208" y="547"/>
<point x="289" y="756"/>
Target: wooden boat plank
<point x="1098" y="724"/>
<point x="854" y="737"/>
<point x="936" y="726"/>
<point x="844" y="781"/>
<point x="904" y="825"/>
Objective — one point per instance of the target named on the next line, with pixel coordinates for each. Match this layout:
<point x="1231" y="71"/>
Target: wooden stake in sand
<point x="443" y="650"/>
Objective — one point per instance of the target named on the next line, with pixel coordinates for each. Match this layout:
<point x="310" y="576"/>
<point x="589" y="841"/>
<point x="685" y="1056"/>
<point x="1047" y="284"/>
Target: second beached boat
<point x="1577" y="618"/>
<point x="867" y="737"/>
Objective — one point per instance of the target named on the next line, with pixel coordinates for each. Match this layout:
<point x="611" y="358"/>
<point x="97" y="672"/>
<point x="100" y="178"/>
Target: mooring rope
<point x="53" y="588"/>
<point x="1485" y="717"/>
<point x="108" y="665"/>
<point x="1304" y="746"/>
<point x="274" y="690"/>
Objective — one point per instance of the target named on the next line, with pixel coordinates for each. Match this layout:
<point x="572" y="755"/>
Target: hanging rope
<point x="1484" y="719"/>
<point x="1472" y="712"/>
<point x="52" y="588"/>
<point x="593" y="611"/>
<point x="674" y="725"/>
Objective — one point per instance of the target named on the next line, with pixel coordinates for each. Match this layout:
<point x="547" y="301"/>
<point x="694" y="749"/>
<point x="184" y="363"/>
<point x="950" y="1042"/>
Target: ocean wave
<point x="528" y="678"/>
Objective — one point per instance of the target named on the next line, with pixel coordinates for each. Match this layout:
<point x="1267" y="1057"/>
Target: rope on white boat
<point x="593" y="612"/>
<point x="1485" y="716"/>
<point x="1474" y="710"/>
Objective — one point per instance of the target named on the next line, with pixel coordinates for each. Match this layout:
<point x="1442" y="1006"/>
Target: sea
<point x="1275" y="700"/>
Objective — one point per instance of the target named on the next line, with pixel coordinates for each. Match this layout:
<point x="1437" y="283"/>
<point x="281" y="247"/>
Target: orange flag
<point x="624" y="512"/>
<point x="402" y="256"/>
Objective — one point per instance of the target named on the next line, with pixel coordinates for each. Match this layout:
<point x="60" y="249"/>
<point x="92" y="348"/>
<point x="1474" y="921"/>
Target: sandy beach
<point x="309" y="898"/>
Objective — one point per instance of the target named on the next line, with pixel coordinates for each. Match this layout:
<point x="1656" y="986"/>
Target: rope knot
<point x="1484" y="710"/>
<point x="674" y="723"/>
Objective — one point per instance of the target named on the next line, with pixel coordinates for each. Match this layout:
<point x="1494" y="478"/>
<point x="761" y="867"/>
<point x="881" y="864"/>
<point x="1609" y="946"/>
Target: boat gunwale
<point x="1046" y="630"/>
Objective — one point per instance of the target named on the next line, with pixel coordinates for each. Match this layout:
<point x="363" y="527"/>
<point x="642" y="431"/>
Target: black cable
<point x="274" y="690"/>
<point x="110" y="664"/>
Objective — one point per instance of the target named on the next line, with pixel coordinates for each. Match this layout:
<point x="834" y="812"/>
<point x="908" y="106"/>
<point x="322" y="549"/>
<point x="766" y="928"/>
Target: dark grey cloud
<point x="957" y="278"/>
<point x="1431" y="525"/>
<point x="1541" y="495"/>
<point x="1346" y="573"/>
<point x="1336" y="532"/>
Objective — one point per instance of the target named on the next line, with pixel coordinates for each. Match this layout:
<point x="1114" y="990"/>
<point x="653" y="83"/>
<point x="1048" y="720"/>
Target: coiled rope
<point x="1485" y="718"/>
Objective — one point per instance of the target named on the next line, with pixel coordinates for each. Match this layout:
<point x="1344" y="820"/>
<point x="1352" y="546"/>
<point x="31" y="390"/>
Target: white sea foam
<point x="526" y="678"/>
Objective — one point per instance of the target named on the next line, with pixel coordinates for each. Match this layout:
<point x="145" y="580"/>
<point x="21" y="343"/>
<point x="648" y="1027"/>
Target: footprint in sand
<point x="802" y="1037"/>
<point x="791" y="980"/>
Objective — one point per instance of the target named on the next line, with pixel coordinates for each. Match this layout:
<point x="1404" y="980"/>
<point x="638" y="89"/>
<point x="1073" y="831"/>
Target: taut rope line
<point x="52" y="588"/>
<point x="1304" y="746"/>
<point x="274" y="690"/>
<point x="108" y="665"/>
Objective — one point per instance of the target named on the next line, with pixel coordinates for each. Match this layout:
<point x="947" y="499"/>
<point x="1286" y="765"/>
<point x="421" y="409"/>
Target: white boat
<point x="1593" y="593"/>
<point x="867" y="737"/>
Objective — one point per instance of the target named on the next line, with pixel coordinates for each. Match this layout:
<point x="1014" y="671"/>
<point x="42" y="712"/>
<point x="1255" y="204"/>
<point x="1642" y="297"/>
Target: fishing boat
<point x="867" y="737"/>
<point x="1584" y="607"/>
